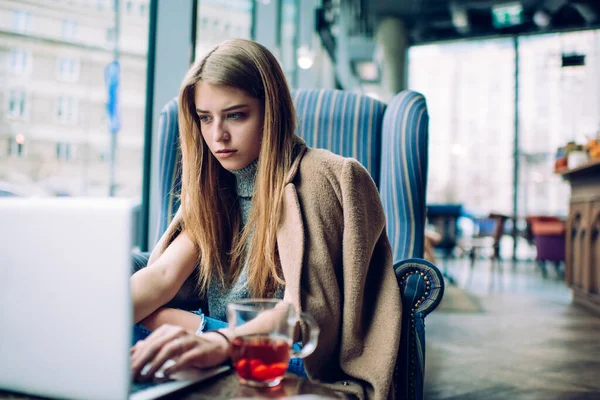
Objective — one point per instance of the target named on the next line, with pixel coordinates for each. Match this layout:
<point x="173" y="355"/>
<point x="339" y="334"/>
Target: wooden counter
<point x="582" y="271"/>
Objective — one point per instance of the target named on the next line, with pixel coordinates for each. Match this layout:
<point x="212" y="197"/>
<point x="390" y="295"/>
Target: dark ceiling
<point x="432" y="20"/>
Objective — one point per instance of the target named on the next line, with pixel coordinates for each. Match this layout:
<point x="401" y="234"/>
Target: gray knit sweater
<point x="219" y="296"/>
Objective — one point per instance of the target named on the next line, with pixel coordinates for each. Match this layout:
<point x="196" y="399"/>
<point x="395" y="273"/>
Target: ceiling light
<point x="541" y="18"/>
<point x="366" y="70"/>
<point x="306" y="57"/>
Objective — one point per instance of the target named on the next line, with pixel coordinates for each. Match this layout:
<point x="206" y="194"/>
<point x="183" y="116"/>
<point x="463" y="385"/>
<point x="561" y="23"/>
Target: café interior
<point x="479" y="121"/>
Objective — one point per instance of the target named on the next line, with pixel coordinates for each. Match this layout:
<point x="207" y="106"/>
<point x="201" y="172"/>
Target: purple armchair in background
<point x="548" y="235"/>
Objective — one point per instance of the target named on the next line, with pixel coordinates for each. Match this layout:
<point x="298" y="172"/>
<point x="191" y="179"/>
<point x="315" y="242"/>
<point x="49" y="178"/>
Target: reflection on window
<point x="219" y="20"/>
<point x="16" y="103"/>
<point x="21" y="21"/>
<point x="63" y="98"/>
<point x="469" y="89"/>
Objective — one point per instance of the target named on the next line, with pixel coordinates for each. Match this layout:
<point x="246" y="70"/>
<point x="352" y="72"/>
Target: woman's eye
<point x="235" y="116"/>
<point x="204" y="118"/>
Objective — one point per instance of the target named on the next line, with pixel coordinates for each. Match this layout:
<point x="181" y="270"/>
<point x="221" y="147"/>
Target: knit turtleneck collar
<point x="244" y="179"/>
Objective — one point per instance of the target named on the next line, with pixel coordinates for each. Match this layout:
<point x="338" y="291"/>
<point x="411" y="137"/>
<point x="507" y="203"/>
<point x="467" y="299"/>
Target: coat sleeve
<point x="372" y="310"/>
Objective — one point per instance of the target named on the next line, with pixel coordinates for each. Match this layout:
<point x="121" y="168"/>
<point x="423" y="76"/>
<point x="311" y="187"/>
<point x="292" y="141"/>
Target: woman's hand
<point x="186" y="349"/>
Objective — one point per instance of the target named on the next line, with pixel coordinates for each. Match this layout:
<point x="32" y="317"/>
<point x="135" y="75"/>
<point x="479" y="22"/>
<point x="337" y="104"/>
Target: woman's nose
<point x="219" y="132"/>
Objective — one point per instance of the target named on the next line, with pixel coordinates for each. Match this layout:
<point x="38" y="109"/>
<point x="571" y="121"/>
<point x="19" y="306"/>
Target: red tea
<point x="260" y="358"/>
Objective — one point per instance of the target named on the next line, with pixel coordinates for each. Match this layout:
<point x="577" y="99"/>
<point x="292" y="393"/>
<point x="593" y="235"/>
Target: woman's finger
<point x="168" y="351"/>
<point x="147" y="351"/>
<point x="190" y="358"/>
<point x="147" y="354"/>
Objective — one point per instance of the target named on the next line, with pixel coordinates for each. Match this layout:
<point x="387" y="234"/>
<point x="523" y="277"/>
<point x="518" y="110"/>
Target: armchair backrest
<point x="403" y="181"/>
<point x="169" y="176"/>
<point x="345" y="123"/>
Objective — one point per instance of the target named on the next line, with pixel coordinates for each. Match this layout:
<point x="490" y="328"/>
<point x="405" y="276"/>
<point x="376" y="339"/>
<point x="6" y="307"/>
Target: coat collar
<point x="299" y="150"/>
<point x="290" y="235"/>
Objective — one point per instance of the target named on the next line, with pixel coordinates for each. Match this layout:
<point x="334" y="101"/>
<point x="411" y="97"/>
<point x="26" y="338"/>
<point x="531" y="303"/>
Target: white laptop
<point x="65" y="306"/>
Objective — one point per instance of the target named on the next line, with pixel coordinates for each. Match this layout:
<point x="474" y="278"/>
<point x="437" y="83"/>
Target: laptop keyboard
<point x="139" y="386"/>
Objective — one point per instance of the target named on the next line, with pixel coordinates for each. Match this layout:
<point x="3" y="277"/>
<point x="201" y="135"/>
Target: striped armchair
<point x="391" y="142"/>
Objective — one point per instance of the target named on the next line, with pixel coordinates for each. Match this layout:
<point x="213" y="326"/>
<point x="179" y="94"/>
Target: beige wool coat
<point x="337" y="266"/>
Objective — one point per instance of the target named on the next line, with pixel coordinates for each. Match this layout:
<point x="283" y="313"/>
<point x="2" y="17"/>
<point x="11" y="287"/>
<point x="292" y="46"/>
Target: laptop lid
<point x="65" y="307"/>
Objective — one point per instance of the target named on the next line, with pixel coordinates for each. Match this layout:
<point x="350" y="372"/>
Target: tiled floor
<point x="528" y="343"/>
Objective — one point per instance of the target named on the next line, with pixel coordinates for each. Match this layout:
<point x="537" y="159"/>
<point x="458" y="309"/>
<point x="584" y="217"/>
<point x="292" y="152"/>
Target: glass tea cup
<point x="263" y="336"/>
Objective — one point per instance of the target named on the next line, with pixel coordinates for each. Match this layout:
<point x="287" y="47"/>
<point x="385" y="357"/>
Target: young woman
<point x="262" y="215"/>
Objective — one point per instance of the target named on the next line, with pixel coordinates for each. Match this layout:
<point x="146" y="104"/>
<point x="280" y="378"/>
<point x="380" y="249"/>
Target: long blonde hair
<point x="211" y="216"/>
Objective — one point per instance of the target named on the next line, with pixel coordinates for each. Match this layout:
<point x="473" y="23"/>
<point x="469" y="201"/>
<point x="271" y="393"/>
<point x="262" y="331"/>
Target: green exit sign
<point x="508" y="14"/>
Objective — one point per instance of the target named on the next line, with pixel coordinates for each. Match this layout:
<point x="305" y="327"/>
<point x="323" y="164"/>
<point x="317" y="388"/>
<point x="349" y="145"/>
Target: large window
<point x="470" y="91"/>
<point x="469" y="88"/>
<point x="556" y="105"/>
<point x="219" y="20"/>
<point x="289" y="38"/>
<point x="54" y="132"/>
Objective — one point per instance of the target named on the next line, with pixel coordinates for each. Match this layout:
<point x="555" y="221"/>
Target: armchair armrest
<point x="421" y="285"/>
<point x="422" y="288"/>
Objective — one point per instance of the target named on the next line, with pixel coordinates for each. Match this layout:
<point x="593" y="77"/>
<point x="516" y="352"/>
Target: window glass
<point x="557" y="104"/>
<point x="289" y="34"/>
<point x="470" y="89"/>
<point x="219" y="20"/>
<point x="54" y="134"/>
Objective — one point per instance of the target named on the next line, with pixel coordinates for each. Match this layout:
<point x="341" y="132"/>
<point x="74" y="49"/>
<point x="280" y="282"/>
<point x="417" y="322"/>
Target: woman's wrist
<point x="222" y="339"/>
<point x="223" y="336"/>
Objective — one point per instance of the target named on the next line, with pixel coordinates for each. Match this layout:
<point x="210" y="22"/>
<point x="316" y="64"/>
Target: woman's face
<point x="231" y="123"/>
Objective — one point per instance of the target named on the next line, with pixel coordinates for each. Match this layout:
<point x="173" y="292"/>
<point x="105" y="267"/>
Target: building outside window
<point x="70" y="68"/>
<point x="67" y="109"/>
<point x="69" y="30"/>
<point x="111" y="35"/>
<point x="17" y="103"/>
<point x="64" y="151"/>
<point x="20" y="61"/>
<point x="219" y="20"/>
<point x="16" y="146"/>
<point x="67" y="69"/>
<point x="21" y="21"/>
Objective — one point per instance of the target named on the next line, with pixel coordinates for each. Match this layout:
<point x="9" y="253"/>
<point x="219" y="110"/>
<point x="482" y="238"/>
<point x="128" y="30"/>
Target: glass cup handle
<point x="313" y="334"/>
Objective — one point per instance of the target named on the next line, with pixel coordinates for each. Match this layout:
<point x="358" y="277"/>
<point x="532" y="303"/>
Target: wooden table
<point x="227" y="387"/>
<point x="582" y="261"/>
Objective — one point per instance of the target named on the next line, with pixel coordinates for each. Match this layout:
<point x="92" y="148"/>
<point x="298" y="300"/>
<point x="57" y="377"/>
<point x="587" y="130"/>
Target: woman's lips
<point x="225" y="153"/>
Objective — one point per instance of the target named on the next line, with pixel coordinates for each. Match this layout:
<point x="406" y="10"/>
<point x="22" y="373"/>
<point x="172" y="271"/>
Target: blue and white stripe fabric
<point x="345" y="123"/>
<point x="169" y="176"/>
<point x="403" y="178"/>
